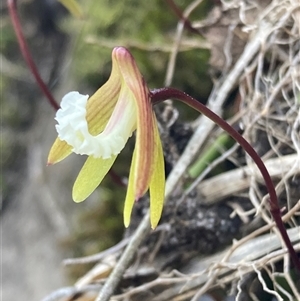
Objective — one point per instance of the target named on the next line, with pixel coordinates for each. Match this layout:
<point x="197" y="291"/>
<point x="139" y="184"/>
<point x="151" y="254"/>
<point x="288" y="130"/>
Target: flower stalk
<point x="162" y="94"/>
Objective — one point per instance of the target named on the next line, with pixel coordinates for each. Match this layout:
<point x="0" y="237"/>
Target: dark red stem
<point x="179" y="14"/>
<point x="12" y="8"/>
<point x="167" y="93"/>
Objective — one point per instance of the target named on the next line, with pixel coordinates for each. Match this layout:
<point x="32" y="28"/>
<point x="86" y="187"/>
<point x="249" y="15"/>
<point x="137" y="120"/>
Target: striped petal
<point x="101" y="104"/>
<point x="145" y="123"/>
<point x="59" y="151"/>
<point x="90" y="176"/>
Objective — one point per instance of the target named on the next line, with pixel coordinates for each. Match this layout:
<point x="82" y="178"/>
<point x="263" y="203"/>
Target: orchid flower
<point x="100" y="126"/>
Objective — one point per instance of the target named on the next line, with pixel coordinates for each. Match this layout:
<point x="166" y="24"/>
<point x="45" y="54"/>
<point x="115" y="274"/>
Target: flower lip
<point x="72" y="127"/>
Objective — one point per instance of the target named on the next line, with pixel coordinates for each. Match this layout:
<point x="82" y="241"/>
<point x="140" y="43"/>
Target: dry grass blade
<point x="257" y="251"/>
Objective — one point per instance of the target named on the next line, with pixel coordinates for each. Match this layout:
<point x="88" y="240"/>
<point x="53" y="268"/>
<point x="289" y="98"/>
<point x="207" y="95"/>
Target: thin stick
<point x="99" y="256"/>
<point x="12" y="8"/>
<point x="166" y="93"/>
<point x="178" y="37"/>
<point x="70" y="291"/>
<point x="125" y="260"/>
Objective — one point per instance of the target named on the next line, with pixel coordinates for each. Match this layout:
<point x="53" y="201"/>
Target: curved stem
<point x="12" y="8"/>
<point x="167" y="93"/>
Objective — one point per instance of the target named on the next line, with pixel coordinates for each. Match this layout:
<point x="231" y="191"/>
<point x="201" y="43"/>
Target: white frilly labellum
<point x="72" y="127"/>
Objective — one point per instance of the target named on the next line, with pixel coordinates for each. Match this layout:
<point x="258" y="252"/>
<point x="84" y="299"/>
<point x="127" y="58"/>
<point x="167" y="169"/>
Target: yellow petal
<point x="130" y="194"/>
<point x="157" y="185"/>
<point x="90" y="176"/>
<point x="59" y="151"/>
<point x="73" y="7"/>
<point x="101" y="104"/>
<point x="133" y="79"/>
